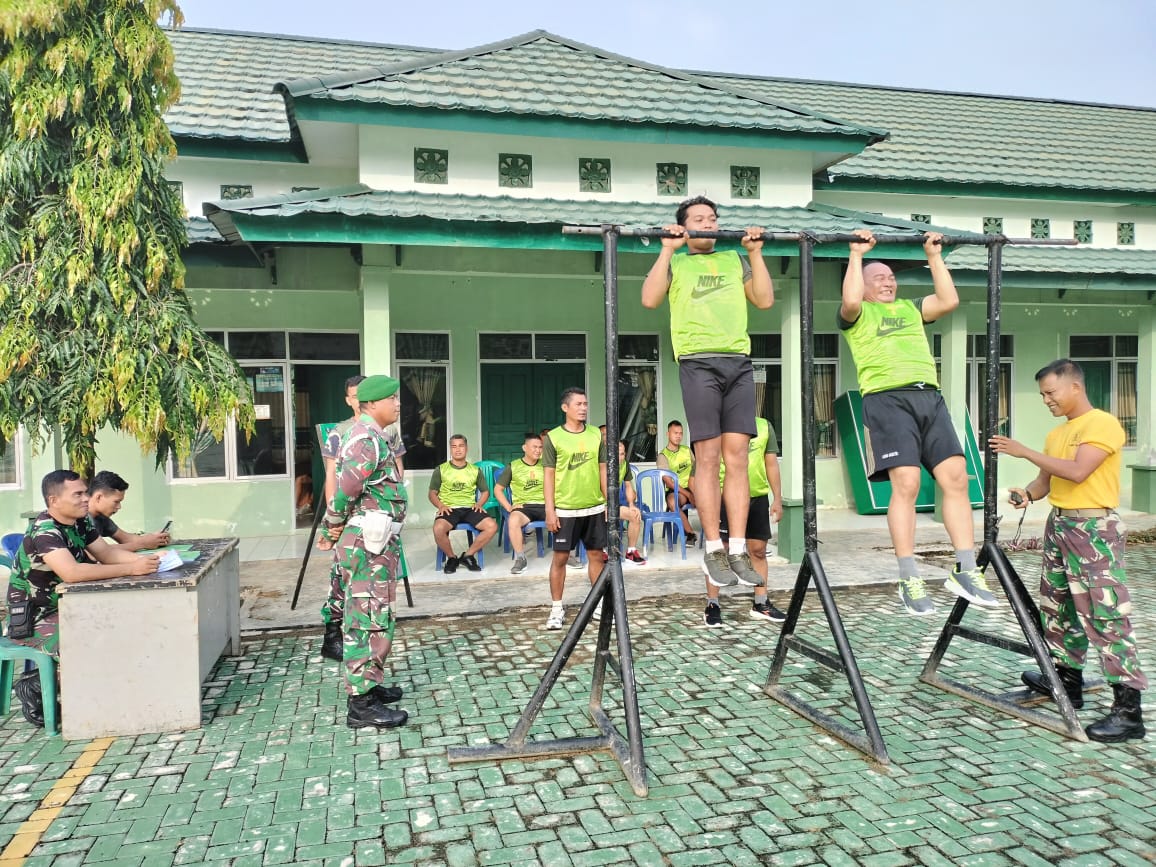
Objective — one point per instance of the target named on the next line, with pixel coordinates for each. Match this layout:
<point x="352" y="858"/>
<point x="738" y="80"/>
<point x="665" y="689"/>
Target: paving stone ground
<point x="275" y="776"/>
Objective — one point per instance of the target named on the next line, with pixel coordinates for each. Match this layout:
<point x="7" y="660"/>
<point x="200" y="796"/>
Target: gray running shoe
<point x="717" y="567"/>
<point x="913" y="595"/>
<point x="742" y="566"/>
<point x="519" y="564"/>
<point x="972" y="586"/>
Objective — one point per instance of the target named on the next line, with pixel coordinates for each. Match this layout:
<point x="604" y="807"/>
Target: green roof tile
<point x="972" y="139"/>
<point x="227" y="79"/>
<point x="542" y="74"/>
<point x="1059" y="260"/>
<point x="201" y="231"/>
<point x="361" y="201"/>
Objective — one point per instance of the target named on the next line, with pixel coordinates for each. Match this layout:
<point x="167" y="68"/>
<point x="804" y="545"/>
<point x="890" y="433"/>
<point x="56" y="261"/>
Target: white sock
<point x="737" y="546"/>
<point x="713" y="545"/>
<point x="631" y="548"/>
<point x="556" y="606"/>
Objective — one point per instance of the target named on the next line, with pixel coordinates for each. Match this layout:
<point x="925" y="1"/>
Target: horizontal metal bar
<point x="530" y="749"/>
<point x="1011" y="708"/>
<point x="836" y="727"/>
<point x="1020" y="647"/>
<point x="816" y="652"/>
<point x="821" y="237"/>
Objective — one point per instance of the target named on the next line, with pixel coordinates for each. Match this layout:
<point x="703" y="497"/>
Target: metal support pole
<point x="869" y="741"/>
<point x="991" y="406"/>
<point x="609" y="592"/>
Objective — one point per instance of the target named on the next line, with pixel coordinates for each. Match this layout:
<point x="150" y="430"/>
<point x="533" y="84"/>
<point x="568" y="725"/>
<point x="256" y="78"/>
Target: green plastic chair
<point x="10" y="652"/>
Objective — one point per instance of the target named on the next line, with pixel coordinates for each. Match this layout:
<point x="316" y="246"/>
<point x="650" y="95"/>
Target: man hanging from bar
<point x="709" y="290"/>
<point x="364" y="518"/>
<point x="1083" y="597"/>
<point x="905" y="416"/>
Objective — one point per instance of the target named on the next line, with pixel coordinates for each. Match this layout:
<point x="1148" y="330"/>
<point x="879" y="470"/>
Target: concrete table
<point x="135" y="651"/>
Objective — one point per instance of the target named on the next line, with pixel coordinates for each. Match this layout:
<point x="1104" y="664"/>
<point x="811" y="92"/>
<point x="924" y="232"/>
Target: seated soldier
<point x="679" y="459"/>
<point x="628" y="510"/>
<point x="105" y="495"/>
<point x="526" y="502"/>
<point x="57" y="547"/>
<point x="459" y="492"/>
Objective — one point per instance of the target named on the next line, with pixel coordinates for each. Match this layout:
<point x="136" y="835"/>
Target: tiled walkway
<point x="275" y="776"/>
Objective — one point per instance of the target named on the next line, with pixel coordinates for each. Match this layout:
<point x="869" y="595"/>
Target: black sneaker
<point x="691" y="539"/>
<point x="27" y="689"/>
<point x="767" y="611"/>
<point x="451" y="565"/>
<point x="712" y="617"/>
<point x="387" y="694"/>
<point x="470" y="562"/>
<point x="369" y="711"/>
<point x="333" y="645"/>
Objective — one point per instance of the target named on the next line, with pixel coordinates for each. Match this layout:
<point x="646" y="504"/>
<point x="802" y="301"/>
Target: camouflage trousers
<point x="1083" y="598"/>
<point x="367" y="622"/>
<point x="45" y="635"/>
<point x="333" y="609"/>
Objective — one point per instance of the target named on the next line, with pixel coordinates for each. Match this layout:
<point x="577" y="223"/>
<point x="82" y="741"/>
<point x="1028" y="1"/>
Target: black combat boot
<point x="368" y="710"/>
<point x="387" y="694"/>
<point x="1124" y="722"/>
<point x="1071" y="678"/>
<point x="333" y="643"/>
<point x="27" y="689"/>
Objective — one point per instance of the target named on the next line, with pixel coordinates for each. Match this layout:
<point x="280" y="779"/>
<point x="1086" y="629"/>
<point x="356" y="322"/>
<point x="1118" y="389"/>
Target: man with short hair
<point x="764" y="479"/>
<point x="526" y="502"/>
<point x="332" y="610"/>
<point x="459" y="492"/>
<point x="904" y="414"/>
<point x="679" y="459"/>
<point x="105" y="495"/>
<point x="708" y="291"/>
<point x="1083" y="597"/>
<point x="363" y="526"/>
<point x="59" y="545"/>
<point x="628" y="510"/>
<point x="574" y="458"/>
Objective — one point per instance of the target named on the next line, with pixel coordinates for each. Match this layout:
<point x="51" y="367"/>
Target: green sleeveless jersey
<point x="575" y="458"/>
<point x="890" y="348"/>
<point x="708" y="304"/>
<point x="681" y="463"/>
<point x="524" y="482"/>
<point x="456" y="486"/>
<point x="762" y="443"/>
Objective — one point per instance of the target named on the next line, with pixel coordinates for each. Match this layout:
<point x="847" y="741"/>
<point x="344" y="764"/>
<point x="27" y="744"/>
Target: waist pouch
<point x="378" y="529"/>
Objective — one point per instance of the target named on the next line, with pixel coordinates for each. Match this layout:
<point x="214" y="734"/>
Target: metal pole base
<point x="870" y="740"/>
<point x="608" y="591"/>
<point x="1028" y="616"/>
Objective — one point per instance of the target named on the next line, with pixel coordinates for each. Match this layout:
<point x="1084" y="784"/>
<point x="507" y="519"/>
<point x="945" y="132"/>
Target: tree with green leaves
<point x="96" y="330"/>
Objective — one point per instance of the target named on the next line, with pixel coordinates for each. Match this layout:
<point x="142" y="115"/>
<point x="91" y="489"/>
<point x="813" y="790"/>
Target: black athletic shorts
<point x="718" y="394"/>
<point x="758" y="519"/>
<point x="533" y="511"/>
<point x="589" y="529"/>
<point x="907" y="427"/>
<point x="464" y="515"/>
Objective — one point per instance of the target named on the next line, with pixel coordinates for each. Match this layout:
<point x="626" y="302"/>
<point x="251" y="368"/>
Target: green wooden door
<point x="517" y="398"/>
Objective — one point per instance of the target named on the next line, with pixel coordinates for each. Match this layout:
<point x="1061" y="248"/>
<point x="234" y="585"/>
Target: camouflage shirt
<point x="31" y="579"/>
<point x="367" y="476"/>
<point x="333" y="441"/>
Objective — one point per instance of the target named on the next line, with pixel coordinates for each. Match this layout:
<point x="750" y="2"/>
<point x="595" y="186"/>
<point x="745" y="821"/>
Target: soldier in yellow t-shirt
<point x="1083" y="597"/>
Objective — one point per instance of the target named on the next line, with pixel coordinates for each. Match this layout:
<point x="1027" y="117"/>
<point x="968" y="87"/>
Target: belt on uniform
<point x="1083" y="513"/>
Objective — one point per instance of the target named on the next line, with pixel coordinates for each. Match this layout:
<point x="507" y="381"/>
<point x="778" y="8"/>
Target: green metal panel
<point x="517" y="398"/>
<point x="872" y="498"/>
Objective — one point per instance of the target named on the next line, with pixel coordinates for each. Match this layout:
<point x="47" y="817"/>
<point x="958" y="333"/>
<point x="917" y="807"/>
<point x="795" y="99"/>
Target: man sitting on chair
<point x="527" y="501"/>
<point x="679" y="459"/>
<point x="459" y="492"/>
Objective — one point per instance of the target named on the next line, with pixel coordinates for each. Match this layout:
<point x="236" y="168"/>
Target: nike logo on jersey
<point x="707" y="283"/>
<point x="578" y="459"/>
<point x="891" y="324"/>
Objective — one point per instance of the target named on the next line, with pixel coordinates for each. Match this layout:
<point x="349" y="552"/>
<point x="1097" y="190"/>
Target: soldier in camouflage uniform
<point x="60" y="544"/>
<point x="332" y="611"/>
<point x="1084" y="599"/>
<point x="368" y="485"/>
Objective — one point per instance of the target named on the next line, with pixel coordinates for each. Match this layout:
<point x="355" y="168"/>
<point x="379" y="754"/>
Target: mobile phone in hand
<point x="168" y="524"/>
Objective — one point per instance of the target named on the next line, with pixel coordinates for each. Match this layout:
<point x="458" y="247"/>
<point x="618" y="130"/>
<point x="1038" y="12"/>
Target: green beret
<point x="377" y="388"/>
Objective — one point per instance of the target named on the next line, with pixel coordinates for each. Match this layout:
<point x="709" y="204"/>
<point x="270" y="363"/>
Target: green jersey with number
<point x="889" y="345"/>
<point x="708" y="304"/>
<point x="575" y="459"/>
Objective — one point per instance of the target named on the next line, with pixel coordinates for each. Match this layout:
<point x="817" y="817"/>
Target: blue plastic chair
<point x="440" y="560"/>
<point x="652" y="500"/>
<point x="537" y="527"/>
<point x="10" y="652"/>
<point x="10" y="542"/>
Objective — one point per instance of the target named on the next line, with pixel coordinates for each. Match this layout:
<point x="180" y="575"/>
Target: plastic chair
<point x="538" y="528"/>
<point x="490" y="472"/>
<point x="10" y="651"/>
<point x="10" y="542"/>
<point x="440" y="560"/>
<point x="652" y="500"/>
